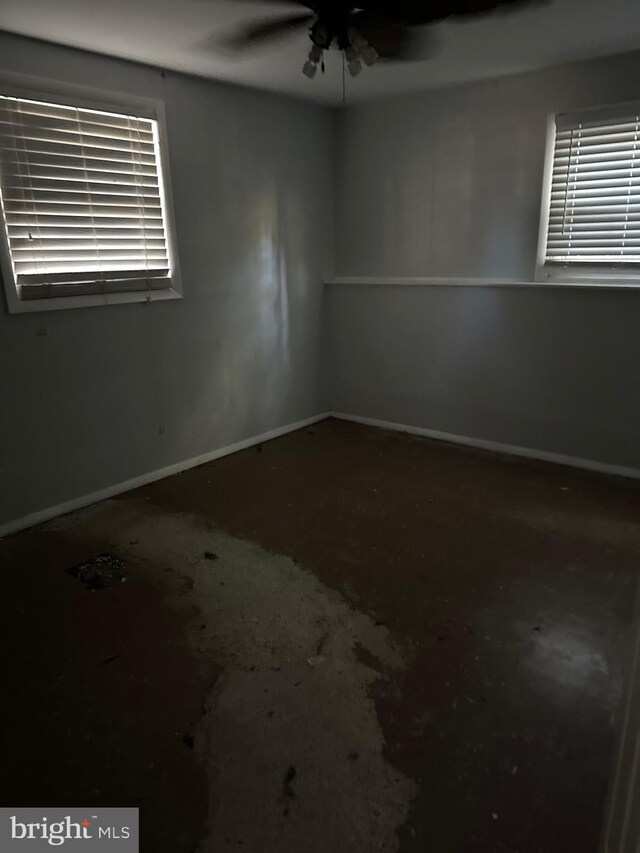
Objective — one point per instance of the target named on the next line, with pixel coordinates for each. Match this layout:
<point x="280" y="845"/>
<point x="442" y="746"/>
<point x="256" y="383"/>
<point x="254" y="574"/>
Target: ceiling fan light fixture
<point x="354" y="66"/>
<point x="321" y="36"/>
<point x="309" y="69"/>
<point x="353" y="60"/>
<point x="369" y="55"/>
<point x="356" y="38"/>
<point x="351" y="54"/>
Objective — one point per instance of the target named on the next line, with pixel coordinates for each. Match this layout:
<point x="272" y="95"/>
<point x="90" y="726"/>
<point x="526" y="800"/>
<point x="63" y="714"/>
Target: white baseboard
<point x="127" y="485"/>
<point x="514" y="450"/>
<point x="152" y="476"/>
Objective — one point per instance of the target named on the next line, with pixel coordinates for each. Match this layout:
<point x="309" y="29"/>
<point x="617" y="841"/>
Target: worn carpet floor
<point x="344" y="639"/>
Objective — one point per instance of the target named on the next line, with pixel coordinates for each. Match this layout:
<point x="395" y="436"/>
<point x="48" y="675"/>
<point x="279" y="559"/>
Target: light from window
<point x="82" y="200"/>
<point x="594" y="204"/>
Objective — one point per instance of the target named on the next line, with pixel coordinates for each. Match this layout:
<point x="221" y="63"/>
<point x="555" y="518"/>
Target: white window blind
<point x="594" y="209"/>
<point x="82" y="200"/>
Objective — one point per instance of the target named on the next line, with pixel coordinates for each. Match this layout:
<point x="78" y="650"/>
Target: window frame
<point x="20" y="86"/>
<point x="575" y="273"/>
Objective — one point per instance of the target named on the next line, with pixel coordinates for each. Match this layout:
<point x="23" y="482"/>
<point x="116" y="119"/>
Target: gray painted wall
<point x="448" y="184"/>
<point x="93" y="397"/>
<point x="442" y="184"/>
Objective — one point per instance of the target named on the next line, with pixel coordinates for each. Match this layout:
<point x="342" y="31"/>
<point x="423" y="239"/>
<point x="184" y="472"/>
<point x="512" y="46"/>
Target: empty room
<point x="320" y="426"/>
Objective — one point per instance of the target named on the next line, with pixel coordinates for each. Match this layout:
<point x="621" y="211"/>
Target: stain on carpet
<point x="280" y="702"/>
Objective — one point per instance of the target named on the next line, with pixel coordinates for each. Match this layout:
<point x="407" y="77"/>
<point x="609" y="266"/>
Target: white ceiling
<point x="175" y="34"/>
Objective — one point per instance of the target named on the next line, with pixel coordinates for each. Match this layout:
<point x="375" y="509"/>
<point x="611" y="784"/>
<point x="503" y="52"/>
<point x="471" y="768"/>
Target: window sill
<point x="587" y="277"/>
<point x="57" y="303"/>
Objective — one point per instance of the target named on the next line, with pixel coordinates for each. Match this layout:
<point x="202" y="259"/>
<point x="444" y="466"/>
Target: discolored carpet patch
<point x="347" y="639"/>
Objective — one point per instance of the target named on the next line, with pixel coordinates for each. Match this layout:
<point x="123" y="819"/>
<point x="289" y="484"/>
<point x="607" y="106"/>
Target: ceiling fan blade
<point x="306" y="4"/>
<point x="469" y="8"/>
<point x="398" y="44"/>
<point x="309" y="4"/>
<point x="417" y="12"/>
<point x="262" y="32"/>
<point x="393" y="41"/>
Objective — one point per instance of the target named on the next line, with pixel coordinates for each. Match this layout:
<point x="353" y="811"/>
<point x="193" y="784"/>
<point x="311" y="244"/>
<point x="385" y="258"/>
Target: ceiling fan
<point x="364" y="30"/>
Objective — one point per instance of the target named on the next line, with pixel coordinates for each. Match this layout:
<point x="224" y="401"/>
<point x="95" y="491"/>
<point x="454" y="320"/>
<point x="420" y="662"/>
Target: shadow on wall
<point x="248" y="388"/>
<point x="251" y="263"/>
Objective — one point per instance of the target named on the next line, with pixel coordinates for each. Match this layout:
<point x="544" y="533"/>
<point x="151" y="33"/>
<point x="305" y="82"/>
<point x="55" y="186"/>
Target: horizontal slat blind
<point x="81" y="199"/>
<point x="594" y="212"/>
